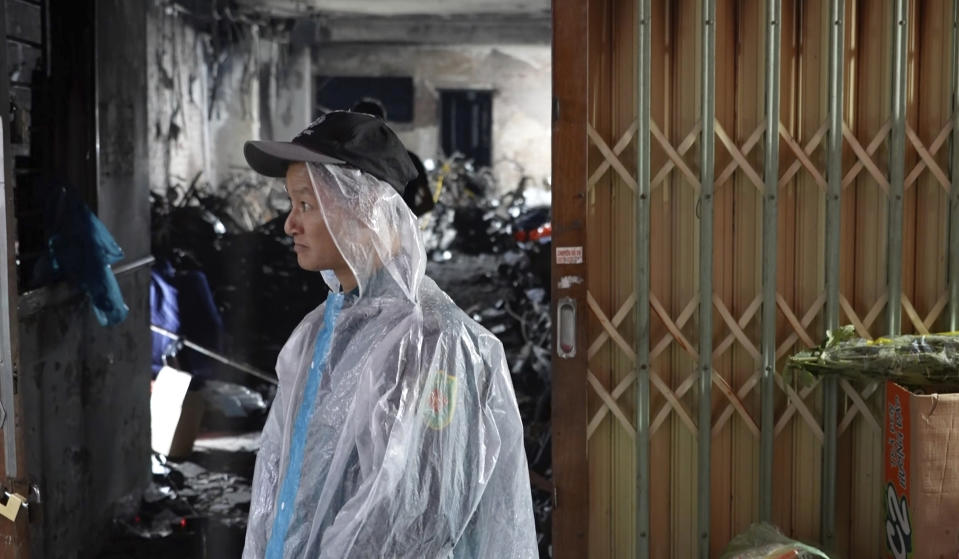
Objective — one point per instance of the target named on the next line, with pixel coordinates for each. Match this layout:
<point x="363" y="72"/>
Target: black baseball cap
<point x="338" y="137"/>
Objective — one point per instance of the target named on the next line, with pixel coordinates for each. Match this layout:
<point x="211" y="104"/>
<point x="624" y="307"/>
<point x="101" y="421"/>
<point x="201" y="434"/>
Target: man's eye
<point x="305" y="207"/>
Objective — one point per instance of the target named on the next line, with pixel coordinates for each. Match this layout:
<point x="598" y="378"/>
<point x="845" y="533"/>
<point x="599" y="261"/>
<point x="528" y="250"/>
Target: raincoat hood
<point x="373" y="229"/>
<point x="395" y="430"/>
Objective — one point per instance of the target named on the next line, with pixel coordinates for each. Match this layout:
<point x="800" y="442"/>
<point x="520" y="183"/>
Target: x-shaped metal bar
<point x="610" y="399"/>
<point x="624" y="384"/>
<point x="802" y="155"/>
<point x="859" y="404"/>
<point x="924" y="325"/>
<point x="797" y="400"/>
<point x="673" y="404"/>
<point x="797" y="403"/>
<point x="675" y="156"/>
<point x="614" y="396"/>
<point x="794" y="322"/>
<point x="610" y="330"/>
<point x="661" y="346"/>
<point x="671" y="327"/>
<point x="743" y="321"/>
<point x="867" y="392"/>
<point x="865" y="156"/>
<point x="748" y="146"/>
<point x="913" y="316"/>
<point x="727" y="413"/>
<point x="672" y="401"/>
<point x="927" y="157"/>
<point x="798" y="327"/>
<point x="799" y="331"/>
<point x="616" y="151"/>
<point x="611" y="157"/>
<point x="736" y="330"/>
<point x="672" y="398"/>
<point x="738" y="157"/>
<point x="680" y="323"/>
<point x="610" y="403"/>
<point x="617" y="320"/>
<point x="862" y="328"/>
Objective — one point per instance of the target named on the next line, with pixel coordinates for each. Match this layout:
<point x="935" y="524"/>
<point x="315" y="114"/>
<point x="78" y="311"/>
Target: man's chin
<point x="306" y="263"/>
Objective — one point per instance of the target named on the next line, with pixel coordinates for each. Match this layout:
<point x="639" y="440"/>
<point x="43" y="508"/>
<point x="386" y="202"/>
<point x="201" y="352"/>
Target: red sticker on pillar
<point x="569" y="255"/>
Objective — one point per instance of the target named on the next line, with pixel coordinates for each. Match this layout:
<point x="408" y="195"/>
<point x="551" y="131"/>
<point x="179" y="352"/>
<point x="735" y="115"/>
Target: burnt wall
<point x="85" y="387"/>
<point x="86" y="395"/>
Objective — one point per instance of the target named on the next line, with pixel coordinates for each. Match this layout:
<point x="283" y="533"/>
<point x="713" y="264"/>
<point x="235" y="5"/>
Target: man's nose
<point x="292" y="224"/>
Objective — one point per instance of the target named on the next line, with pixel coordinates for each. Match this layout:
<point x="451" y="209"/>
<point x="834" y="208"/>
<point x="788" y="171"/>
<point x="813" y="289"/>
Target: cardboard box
<point x="176" y="413"/>
<point x="921" y="481"/>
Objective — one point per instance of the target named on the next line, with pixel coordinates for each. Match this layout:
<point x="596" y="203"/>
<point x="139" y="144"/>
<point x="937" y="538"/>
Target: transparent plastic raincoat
<point x="395" y="430"/>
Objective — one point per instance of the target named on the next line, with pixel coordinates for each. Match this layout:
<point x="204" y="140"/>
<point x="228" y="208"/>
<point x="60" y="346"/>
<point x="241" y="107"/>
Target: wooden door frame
<point x="569" y="168"/>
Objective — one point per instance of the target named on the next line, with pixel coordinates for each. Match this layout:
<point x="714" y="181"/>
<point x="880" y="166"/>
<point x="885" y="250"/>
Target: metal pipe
<point x="834" y="162"/>
<point x="897" y="156"/>
<point x="830" y="404"/>
<point x="770" y="229"/>
<point x="954" y="193"/>
<point x="8" y="317"/>
<point x="214" y="355"/>
<point x="833" y="201"/>
<point x="133" y="265"/>
<point x="707" y="160"/>
<point x="644" y="71"/>
<point x="9" y="332"/>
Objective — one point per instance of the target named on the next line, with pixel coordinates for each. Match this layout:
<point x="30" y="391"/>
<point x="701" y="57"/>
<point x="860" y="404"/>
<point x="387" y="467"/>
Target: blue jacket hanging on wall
<point x="81" y="249"/>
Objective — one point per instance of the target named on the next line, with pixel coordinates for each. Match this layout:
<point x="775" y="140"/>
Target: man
<point x="395" y="430"/>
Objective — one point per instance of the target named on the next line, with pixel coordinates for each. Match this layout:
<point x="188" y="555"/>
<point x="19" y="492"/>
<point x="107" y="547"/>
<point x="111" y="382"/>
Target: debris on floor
<point x="233" y="400"/>
<point x="193" y="508"/>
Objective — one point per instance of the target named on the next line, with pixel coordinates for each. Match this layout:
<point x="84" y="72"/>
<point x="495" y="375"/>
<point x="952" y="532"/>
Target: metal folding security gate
<point x="693" y="255"/>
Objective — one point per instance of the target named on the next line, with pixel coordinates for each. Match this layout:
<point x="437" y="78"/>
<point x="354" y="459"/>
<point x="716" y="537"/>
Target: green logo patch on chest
<point x="439" y="400"/>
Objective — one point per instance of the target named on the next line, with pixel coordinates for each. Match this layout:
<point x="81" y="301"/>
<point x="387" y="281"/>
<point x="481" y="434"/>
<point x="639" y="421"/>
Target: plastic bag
<point x="765" y="541"/>
<point x="81" y="248"/>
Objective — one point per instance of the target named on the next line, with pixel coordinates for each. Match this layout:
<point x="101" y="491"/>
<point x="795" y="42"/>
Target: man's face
<point x="312" y="242"/>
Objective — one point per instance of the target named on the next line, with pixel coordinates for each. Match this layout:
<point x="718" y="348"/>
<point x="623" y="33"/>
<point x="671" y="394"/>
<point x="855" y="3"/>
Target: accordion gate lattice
<point x="796" y="399"/>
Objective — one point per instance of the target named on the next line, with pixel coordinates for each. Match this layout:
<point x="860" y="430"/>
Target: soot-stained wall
<point x="86" y="387"/>
<point x="519" y="76"/>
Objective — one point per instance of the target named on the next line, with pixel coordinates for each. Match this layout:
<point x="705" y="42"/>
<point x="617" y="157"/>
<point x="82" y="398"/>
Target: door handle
<point x="566" y="328"/>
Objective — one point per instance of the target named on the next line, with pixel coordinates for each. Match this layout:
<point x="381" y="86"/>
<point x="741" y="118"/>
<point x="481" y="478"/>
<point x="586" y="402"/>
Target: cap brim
<point x="272" y="158"/>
